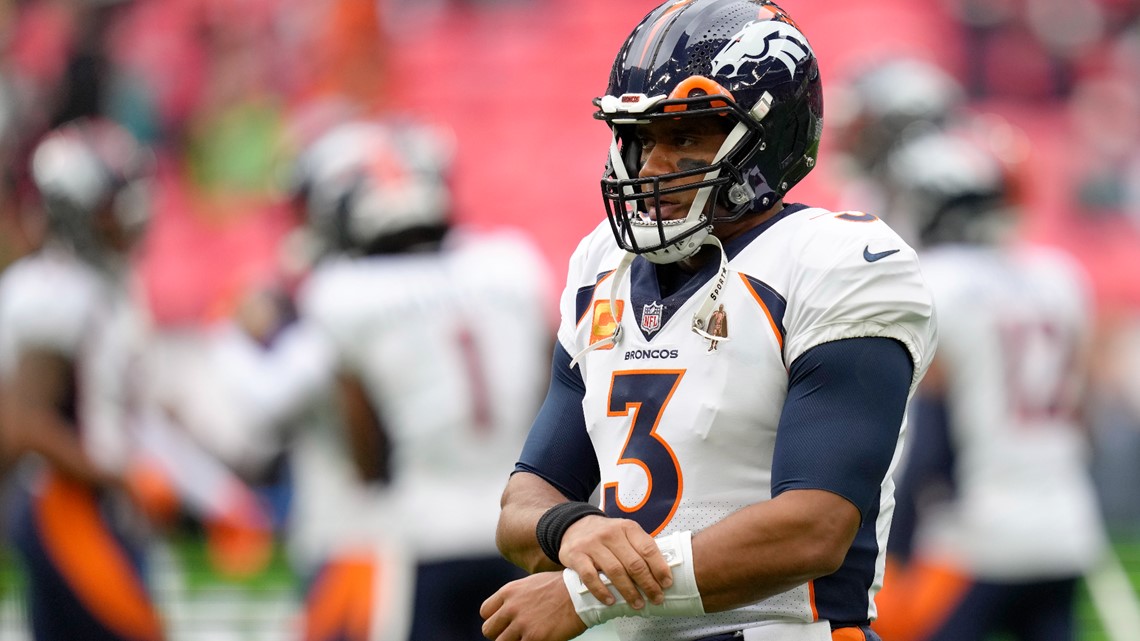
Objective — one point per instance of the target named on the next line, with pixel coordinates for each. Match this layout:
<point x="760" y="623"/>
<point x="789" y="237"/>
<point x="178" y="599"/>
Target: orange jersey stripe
<point x="767" y="312"/>
<point x="91" y="560"/>
<point x="340" y="602"/>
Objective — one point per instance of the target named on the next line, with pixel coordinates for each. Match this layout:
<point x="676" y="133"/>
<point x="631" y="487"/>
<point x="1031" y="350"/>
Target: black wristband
<point x="552" y="525"/>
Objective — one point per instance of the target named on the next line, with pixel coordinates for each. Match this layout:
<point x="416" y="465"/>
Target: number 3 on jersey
<point x="646" y="394"/>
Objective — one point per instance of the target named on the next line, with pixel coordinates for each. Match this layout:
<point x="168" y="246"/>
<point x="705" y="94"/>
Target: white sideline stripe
<point x="1114" y="599"/>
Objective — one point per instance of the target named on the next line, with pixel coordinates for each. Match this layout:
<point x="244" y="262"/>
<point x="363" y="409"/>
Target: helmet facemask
<point x="722" y="193"/>
<point x="745" y="61"/>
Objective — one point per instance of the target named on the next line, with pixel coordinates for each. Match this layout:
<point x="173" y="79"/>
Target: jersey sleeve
<point x="47" y="307"/>
<point x="583" y="275"/>
<point x="859" y="280"/>
<point x="320" y="305"/>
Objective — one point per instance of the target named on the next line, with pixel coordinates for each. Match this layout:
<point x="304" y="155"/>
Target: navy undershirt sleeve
<point x="558" y="448"/>
<point x="841" y="419"/>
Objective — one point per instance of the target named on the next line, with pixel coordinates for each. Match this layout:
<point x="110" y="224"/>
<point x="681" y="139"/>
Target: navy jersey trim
<point x="645" y="289"/>
<point x="646" y="278"/>
<point x="773" y="302"/>
<point x="586" y="294"/>
<point x="558" y="448"/>
<point x="842" y="597"/>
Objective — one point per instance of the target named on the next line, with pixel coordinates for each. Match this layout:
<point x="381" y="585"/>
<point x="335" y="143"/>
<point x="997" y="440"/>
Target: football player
<point x="440" y="336"/>
<point x="70" y="349"/>
<point x="997" y="516"/>
<point x="274" y="378"/>
<point x="745" y="491"/>
<point x="889" y="102"/>
<point x="883" y="105"/>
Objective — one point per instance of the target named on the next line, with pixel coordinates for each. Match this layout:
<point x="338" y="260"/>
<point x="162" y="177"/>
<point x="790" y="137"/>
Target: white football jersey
<point x="684" y="431"/>
<point x="453" y="349"/>
<point x="1013" y="326"/>
<point x="280" y="396"/>
<point x="53" y="301"/>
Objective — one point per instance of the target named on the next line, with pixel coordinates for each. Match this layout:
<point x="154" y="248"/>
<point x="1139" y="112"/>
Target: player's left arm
<point x="834" y="446"/>
<point x="835" y="442"/>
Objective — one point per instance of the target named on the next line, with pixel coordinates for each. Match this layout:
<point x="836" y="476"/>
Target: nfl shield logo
<point x="651" y="317"/>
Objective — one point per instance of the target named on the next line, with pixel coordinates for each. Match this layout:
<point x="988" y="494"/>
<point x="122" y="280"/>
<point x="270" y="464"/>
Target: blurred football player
<point x="70" y="347"/>
<point x="889" y="102"/>
<point x="264" y="397"/>
<point x="424" y="343"/>
<point x="441" y="335"/>
<point x="745" y="491"/>
<point x="997" y="517"/>
<point x="882" y="105"/>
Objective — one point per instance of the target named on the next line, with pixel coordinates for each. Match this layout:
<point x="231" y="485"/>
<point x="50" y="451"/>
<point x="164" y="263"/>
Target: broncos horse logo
<point x="761" y="40"/>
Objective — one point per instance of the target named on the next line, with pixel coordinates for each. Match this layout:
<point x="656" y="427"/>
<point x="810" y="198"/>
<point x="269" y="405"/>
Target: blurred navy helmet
<point x="888" y="102"/>
<point x="745" y="60"/>
<point x="94" y="177"/>
<point x="955" y="187"/>
<point x="370" y="186"/>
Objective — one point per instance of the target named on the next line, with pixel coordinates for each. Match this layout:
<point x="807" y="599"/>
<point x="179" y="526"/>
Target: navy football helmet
<point x="958" y="186"/>
<point x="890" y="101"/>
<point x="745" y="60"/>
<point x="94" y="179"/>
<point x="371" y="186"/>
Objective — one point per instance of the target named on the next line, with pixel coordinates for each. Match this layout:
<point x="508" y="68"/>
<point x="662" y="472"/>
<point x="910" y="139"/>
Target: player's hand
<point x="624" y="552"/>
<point x="535" y="608"/>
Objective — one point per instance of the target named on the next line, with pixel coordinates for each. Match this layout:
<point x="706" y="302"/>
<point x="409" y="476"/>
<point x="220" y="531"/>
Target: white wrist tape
<point x="681" y="599"/>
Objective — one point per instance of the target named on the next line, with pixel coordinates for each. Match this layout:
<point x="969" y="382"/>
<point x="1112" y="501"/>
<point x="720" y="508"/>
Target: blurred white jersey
<point x="280" y="397"/>
<point x="1013" y="327"/>
<point x="54" y="301"/>
<point x="684" y="428"/>
<point x="452" y="348"/>
<point x="265" y="400"/>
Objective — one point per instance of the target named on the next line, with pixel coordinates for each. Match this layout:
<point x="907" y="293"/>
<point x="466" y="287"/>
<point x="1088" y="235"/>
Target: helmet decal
<point x="760" y="41"/>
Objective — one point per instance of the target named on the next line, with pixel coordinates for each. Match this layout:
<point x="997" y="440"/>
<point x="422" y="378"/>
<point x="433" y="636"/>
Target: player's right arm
<point x="557" y="465"/>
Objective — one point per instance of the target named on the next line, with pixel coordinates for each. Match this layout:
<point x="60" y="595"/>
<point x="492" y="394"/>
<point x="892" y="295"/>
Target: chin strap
<point x="615" y="337"/>
<point x="700" y="318"/>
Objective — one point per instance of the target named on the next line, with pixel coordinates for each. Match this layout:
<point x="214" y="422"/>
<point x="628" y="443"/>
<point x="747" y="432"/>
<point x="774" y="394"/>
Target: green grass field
<point x="198" y="604"/>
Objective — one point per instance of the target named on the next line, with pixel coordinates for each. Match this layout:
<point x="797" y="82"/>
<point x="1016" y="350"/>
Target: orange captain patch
<point x="604" y="322"/>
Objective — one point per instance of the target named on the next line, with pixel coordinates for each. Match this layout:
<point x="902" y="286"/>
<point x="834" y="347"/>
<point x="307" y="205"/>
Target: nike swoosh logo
<point x="870" y="258"/>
